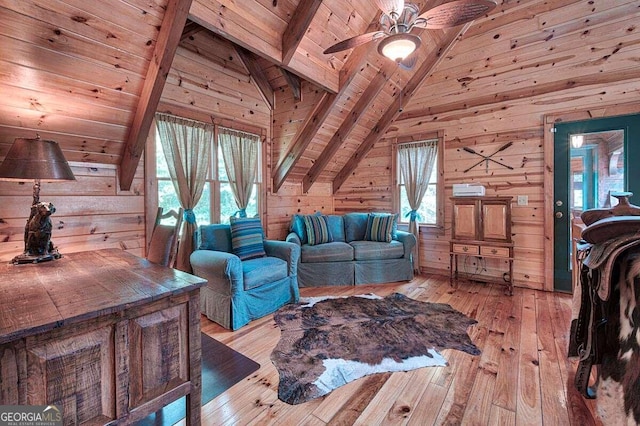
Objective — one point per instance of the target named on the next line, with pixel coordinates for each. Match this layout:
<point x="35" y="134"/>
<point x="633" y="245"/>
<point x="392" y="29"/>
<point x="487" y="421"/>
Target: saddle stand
<point x="609" y="234"/>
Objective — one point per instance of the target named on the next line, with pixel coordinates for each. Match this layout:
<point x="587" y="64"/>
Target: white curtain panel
<point x="240" y="154"/>
<point x="187" y="149"/>
<point x="416" y="165"/>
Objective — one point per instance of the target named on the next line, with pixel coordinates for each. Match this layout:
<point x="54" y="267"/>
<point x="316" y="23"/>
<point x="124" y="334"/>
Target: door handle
<point x="559" y="215"/>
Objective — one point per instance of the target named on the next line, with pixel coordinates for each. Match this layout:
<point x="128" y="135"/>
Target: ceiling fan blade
<point x="390" y="6"/>
<point x="454" y="13"/>
<point x="354" y="41"/>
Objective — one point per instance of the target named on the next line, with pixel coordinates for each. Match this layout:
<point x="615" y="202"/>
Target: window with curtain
<point x="430" y="211"/>
<point x="217" y="203"/>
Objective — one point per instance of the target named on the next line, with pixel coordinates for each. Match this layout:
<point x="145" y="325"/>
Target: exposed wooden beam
<point x="297" y="27"/>
<point x="257" y="74"/>
<point x="190" y="28"/>
<point x="229" y="24"/>
<point x="348" y="124"/>
<point x="294" y="83"/>
<point x="303" y="138"/>
<point x="173" y="23"/>
<point x="428" y="66"/>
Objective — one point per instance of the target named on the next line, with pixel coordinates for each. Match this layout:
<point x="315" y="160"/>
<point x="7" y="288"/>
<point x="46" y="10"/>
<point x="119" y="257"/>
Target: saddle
<point x="609" y="234"/>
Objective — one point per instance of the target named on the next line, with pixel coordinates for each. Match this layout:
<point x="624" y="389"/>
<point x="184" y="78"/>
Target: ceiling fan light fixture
<point x="398" y="46"/>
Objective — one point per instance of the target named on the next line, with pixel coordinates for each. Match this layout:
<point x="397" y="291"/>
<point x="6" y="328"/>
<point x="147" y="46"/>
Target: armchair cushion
<point x="263" y="270"/>
<point x="246" y="238"/>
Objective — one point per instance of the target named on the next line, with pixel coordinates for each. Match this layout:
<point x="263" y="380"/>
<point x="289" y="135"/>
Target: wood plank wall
<point x="72" y="76"/>
<point x="496" y="87"/>
<point x="91" y="213"/>
<point x="289" y="117"/>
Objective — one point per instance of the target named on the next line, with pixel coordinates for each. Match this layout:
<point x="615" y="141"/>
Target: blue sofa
<point x="239" y="291"/>
<point x="350" y="259"/>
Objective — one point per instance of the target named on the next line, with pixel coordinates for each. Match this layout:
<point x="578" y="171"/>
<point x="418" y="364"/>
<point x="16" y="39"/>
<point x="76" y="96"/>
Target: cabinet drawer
<point x="494" y="251"/>
<point x="465" y="249"/>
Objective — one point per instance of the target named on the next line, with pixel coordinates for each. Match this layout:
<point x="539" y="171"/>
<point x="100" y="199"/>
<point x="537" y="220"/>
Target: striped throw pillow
<point x="246" y="238"/>
<point x="380" y="227"/>
<point x="317" y="230"/>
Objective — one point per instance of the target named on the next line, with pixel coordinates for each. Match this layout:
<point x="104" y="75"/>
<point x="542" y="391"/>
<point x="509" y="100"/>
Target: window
<point x="217" y="203"/>
<point x="431" y="210"/>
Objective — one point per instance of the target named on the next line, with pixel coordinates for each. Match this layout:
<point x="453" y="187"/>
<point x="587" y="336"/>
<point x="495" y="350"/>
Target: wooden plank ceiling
<point x="93" y="71"/>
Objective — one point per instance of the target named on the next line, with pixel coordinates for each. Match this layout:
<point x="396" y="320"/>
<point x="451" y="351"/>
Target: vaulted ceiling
<point x="91" y="74"/>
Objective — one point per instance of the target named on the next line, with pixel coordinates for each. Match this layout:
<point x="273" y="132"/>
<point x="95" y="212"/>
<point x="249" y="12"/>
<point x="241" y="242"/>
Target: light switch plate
<point x="523" y="200"/>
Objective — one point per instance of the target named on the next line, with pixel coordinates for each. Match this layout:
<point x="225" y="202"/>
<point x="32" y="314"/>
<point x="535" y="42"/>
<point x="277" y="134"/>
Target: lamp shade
<point x="31" y="159"/>
<point x="398" y="46"/>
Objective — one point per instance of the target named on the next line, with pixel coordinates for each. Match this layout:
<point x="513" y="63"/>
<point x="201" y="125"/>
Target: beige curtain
<point x="416" y="161"/>
<point x="187" y="148"/>
<point x="240" y="155"/>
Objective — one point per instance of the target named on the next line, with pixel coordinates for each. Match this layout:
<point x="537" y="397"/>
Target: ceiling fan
<point x="398" y="19"/>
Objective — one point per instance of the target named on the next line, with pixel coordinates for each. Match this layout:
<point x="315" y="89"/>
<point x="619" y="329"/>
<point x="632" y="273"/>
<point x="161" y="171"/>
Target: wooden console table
<point x="108" y="336"/>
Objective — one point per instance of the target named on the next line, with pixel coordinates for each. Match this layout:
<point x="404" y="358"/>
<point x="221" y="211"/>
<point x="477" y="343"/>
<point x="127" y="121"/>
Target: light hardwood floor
<point x="519" y="379"/>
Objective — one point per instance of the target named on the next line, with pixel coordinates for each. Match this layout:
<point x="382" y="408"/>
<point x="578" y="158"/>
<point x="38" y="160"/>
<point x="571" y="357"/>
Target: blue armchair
<point x="239" y="291"/>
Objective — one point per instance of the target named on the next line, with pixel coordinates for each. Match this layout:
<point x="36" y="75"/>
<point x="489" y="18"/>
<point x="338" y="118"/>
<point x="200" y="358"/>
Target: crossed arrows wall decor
<point x="487" y="158"/>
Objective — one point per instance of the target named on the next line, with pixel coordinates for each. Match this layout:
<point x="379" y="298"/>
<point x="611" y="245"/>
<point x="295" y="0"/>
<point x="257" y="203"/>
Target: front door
<point x="592" y="159"/>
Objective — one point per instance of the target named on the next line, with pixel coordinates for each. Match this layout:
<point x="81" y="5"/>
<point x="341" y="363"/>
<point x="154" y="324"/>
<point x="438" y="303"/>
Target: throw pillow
<point x="380" y="227"/>
<point x="317" y="230"/>
<point x="246" y="238"/>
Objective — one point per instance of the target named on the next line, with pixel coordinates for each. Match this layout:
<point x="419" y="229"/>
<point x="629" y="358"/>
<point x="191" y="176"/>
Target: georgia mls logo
<point x="30" y="415"/>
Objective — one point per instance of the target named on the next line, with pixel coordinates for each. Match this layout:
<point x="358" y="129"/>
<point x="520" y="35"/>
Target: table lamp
<point x="36" y="160"/>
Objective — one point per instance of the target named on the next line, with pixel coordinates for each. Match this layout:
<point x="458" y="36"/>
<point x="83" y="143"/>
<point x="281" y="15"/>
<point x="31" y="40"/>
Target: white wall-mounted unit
<point x="468" y="190"/>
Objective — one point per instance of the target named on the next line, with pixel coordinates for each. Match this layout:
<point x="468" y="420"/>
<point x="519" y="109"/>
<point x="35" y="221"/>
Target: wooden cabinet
<point x="481" y="227"/>
<point x="105" y="335"/>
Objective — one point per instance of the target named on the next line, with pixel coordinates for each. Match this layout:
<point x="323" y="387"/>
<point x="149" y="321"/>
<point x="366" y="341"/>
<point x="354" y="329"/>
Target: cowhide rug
<point x="328" y="342"/>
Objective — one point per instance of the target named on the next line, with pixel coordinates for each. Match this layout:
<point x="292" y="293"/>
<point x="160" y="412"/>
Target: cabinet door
<point x="158" y="353"/>
<point x="495" y="221"/>
<point x="75" y="372"/>
<point x="8" y="375"/>
<point x="465" y="216"/>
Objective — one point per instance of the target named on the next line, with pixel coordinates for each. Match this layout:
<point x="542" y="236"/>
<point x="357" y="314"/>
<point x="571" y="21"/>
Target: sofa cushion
<point x="336" y="227"/>
<point x="246" y="238"/>
<point x="263" y="270"/>
<point x="317" y="230"/>
<point x="374" y="250"/>
<point x="329" y="252"/>
<point x="355" y="226"/>
<point x="380" y="227"/>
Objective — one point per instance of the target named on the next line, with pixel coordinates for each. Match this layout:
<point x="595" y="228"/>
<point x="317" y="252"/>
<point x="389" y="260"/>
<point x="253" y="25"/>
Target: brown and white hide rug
<point x="329" y="342"/>
<point x="618" y="391"/>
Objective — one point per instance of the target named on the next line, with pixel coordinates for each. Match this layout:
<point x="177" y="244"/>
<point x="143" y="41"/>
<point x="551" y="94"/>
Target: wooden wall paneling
<point x="58" y="39"/>
<point x="49" y="61"/>
<point x="91" y="212"/>
<point x="291" y="200"/>
<point x="88" y="21"/>
<point x="44" y="103"/>
<point x="16" y="76"/>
